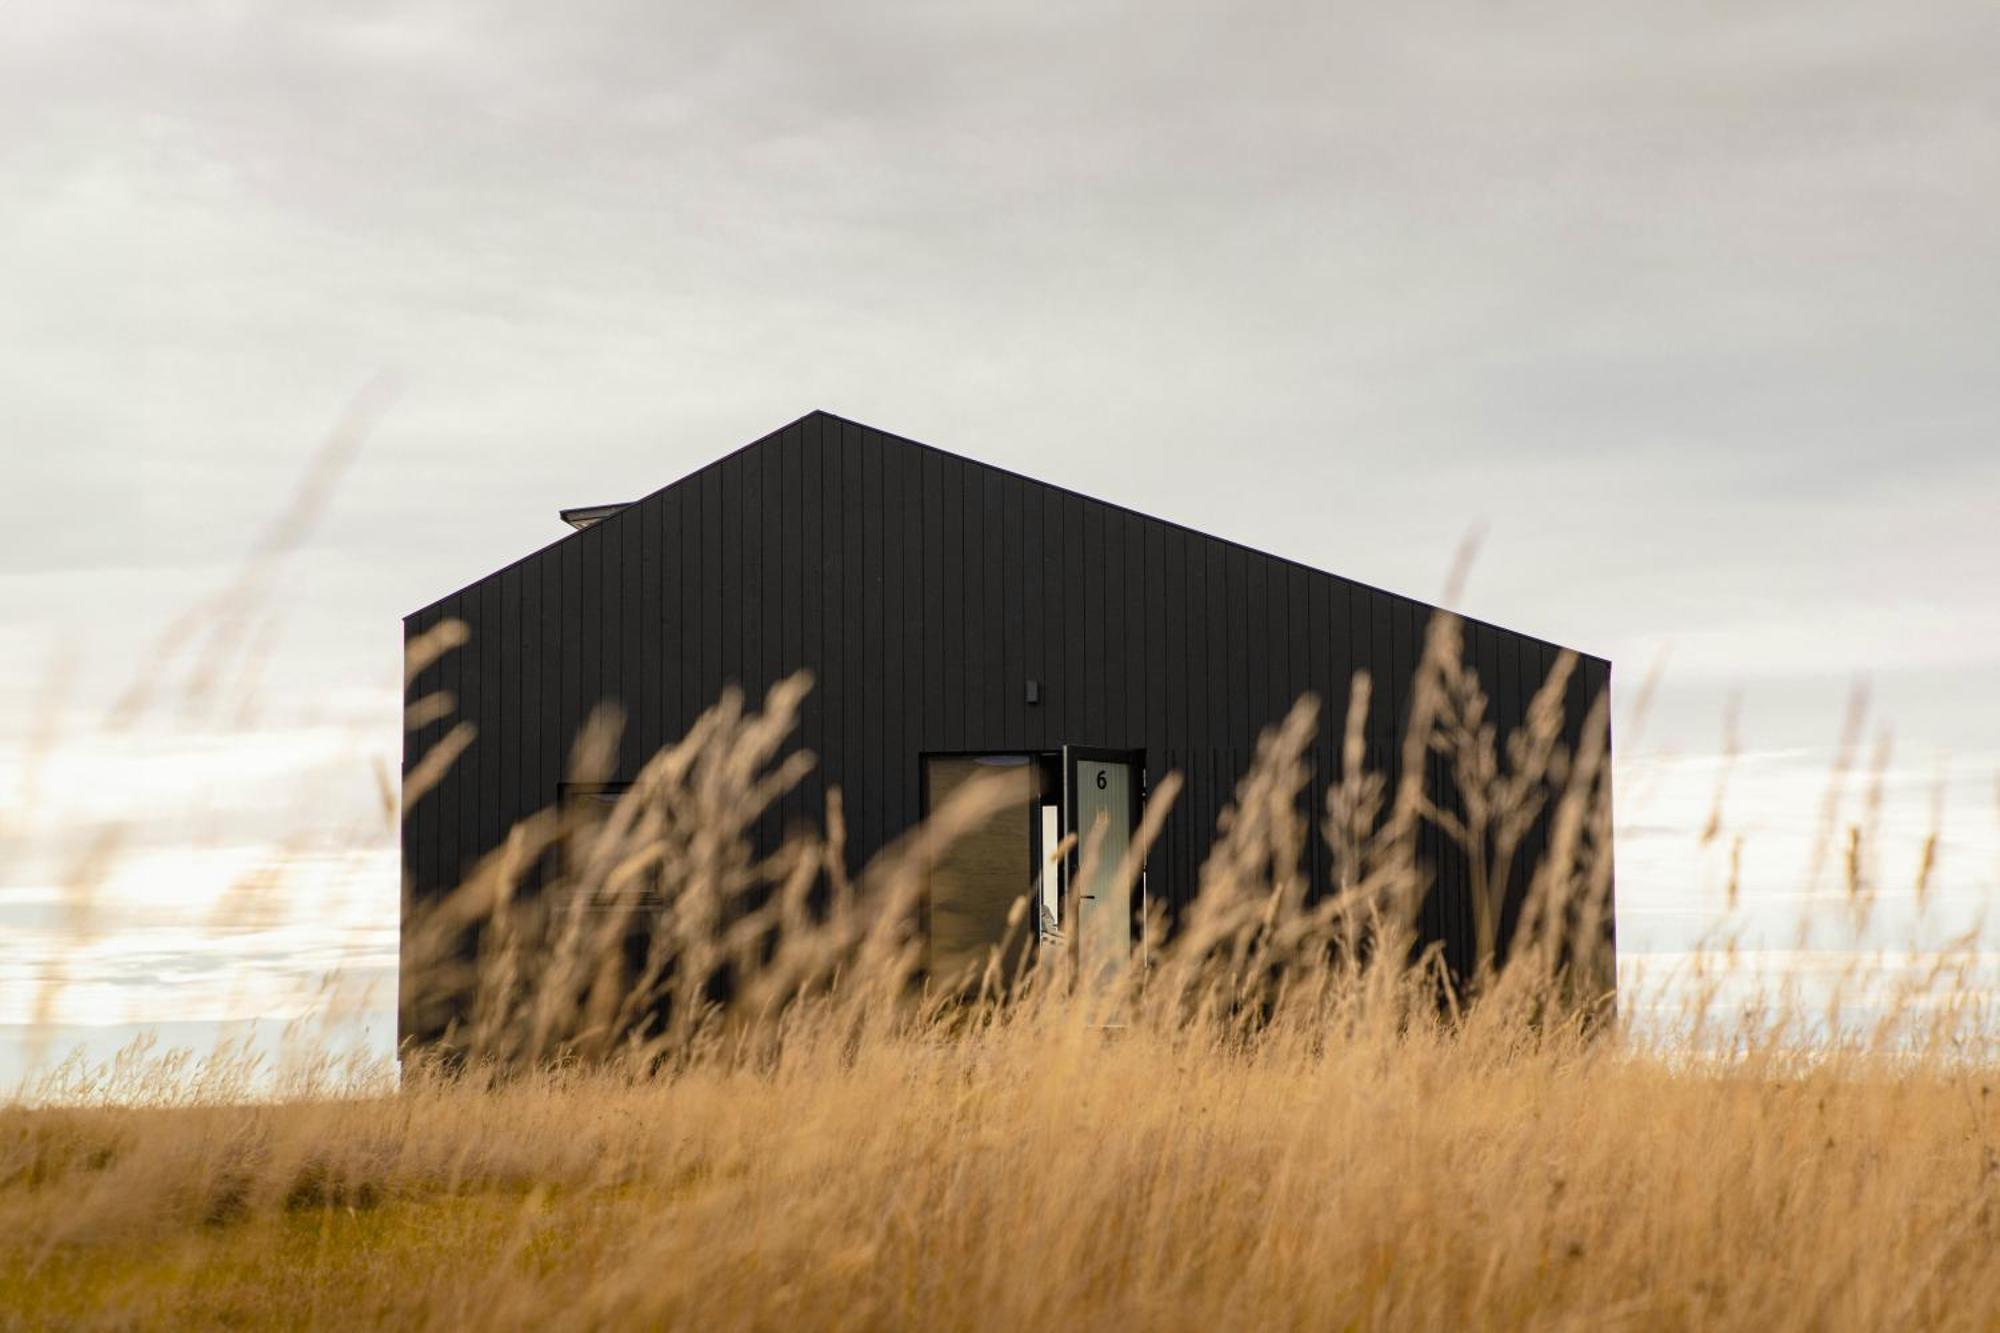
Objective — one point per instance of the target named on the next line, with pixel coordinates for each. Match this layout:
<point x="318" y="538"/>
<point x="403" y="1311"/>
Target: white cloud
<point x="1694" y="309"/>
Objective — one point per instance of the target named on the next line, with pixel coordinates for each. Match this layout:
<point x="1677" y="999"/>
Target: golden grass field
<point x="1282" y="1127"/>
<point x="1038" y="1174"/>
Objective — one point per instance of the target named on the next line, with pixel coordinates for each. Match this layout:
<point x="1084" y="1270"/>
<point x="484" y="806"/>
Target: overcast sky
<point x="1696" y="308"/>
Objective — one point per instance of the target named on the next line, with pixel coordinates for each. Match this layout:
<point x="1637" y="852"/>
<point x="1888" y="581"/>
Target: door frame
<point x="1072" y="864"/>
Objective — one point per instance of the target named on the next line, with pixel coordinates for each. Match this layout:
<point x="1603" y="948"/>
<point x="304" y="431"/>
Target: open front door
<point x="1103" y="789"/>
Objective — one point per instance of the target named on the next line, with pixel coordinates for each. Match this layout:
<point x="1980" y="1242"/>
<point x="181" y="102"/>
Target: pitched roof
<point x="617" y="513"/>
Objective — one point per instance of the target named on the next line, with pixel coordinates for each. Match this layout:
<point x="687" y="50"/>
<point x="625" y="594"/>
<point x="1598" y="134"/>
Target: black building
<point x="954" y="616"/>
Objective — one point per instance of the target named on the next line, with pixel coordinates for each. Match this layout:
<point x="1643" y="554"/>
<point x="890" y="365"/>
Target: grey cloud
<point x="1694" y="306"/>
<point x="1665" y="296"/>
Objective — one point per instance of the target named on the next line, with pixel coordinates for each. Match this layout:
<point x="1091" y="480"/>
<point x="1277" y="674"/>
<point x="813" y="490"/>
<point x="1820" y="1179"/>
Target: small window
<point x="585" y="807"/>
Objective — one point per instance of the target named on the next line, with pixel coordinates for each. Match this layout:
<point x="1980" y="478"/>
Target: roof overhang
<point x="584" y="515"/>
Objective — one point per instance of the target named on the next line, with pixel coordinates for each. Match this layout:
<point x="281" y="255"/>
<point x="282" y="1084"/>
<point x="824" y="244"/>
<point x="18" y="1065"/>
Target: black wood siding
<point x="924" y="590"/>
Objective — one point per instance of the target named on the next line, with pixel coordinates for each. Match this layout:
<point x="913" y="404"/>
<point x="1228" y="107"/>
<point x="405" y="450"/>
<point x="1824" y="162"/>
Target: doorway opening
<point x="1077" y="901"/>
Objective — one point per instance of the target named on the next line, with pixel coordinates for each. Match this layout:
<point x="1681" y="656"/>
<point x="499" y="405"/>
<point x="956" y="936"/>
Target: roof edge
<point x="526" y="556"/>
<point x="1022" y="476"/>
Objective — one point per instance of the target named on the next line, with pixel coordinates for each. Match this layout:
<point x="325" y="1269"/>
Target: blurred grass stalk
<point x="695" y="1082"/>
<point x="1293" y="1118"/>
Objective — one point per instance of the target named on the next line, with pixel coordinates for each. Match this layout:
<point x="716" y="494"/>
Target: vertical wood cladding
<point x="923" y="591"/>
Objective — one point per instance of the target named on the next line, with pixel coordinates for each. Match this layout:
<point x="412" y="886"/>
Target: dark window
<point x="586" y="810"/>
<point x="974" y="884"/>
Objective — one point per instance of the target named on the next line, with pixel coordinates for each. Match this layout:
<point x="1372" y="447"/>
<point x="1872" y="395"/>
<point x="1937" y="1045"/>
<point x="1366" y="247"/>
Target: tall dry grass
<point x="765" y="1117"/>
